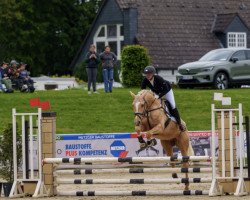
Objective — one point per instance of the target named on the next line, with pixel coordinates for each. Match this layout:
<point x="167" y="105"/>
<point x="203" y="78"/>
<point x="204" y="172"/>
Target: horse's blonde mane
<point x="143" y="92"/>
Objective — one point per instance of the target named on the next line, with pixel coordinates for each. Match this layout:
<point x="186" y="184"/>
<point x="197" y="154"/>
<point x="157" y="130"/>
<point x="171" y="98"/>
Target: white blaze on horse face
<point x="137" y="120"/>
<point x="137" y="106"/>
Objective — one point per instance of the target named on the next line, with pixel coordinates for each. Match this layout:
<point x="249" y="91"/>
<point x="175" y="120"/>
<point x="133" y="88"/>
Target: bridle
<point x="146" y="112"/>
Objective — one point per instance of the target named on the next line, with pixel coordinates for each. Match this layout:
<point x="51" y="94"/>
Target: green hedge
<point x="80" y="72"/>
<point x="134" y="59"/>
<point x="6" y="152"/>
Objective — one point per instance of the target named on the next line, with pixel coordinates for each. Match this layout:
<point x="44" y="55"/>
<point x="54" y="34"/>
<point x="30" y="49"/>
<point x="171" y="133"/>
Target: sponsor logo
<point x="117" y="147"/>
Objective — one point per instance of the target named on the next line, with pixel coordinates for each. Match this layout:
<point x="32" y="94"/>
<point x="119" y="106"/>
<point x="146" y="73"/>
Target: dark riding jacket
<point x="161" y="86"/>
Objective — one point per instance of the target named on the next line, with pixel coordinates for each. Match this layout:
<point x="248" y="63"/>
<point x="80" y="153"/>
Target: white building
<point x="48" y="83"/>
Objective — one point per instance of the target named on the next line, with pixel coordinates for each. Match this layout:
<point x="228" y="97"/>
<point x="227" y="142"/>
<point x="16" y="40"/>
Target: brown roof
<point x="180" y="31"/>
<point x="222" y="21"/>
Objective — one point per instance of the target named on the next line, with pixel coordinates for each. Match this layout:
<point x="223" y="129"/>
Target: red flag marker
<point x="45" y="105"/>
<point x="34" y="102"/>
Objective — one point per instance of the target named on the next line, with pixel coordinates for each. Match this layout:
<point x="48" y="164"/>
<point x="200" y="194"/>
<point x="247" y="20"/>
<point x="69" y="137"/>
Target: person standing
<point x="108" y="59"/>
<point x="92" y="60"/>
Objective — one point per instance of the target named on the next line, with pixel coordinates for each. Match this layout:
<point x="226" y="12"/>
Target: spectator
<point x="5" y="77"/>
<point x="92" y="59"/>
<point x="24" y="74"/>
<point x="108" y="59"/>
<point x="26" y="84"/>
<point x="13" y="72"/>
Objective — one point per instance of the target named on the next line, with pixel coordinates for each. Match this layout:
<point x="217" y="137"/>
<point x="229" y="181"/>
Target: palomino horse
<point x="151" y="119"/>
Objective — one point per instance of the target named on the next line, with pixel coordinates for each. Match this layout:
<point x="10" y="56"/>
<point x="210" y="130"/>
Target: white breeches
<point x="170" y="97"/>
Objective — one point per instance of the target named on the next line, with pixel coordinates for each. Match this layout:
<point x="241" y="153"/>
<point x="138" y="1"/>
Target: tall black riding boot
<point x="176" y="115"/>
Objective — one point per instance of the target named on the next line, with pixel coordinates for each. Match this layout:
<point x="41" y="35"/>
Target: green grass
<point x="78" y="112"/>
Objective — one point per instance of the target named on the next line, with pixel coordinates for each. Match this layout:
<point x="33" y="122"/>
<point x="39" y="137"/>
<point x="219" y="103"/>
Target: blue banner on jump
<point x="93" y="136"/>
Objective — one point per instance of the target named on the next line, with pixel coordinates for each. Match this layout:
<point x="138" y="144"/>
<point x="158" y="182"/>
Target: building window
<point x="101" y="32"/>
<point x="112" y="31"/>
<point x="100" y="46"/>
<point x="111" y="35"/>
<point x="113" y="46"/>
<point x="236" y="40"/>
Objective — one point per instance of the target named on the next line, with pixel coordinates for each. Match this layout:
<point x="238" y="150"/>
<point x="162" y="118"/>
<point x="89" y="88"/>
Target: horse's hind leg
<point x="167" y="146"/>
<point x="183" y="145"/>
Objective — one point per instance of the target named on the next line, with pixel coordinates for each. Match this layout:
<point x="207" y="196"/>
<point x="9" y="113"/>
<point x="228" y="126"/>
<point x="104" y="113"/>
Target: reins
<point x="146" y="112"/>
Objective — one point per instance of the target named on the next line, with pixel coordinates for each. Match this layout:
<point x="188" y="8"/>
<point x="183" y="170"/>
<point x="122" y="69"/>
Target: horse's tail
<point x="190" y="149"/>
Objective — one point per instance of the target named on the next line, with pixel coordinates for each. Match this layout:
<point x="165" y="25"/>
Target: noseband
<point x="146" y="111"/>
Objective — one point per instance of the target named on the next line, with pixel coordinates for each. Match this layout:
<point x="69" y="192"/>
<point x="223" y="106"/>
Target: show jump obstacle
<point x="224" y="177"/>
<point x="20" y="183"/>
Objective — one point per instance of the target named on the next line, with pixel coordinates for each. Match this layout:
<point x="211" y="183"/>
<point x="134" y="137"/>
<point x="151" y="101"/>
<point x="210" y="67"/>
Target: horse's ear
<point x="132" y="94"/>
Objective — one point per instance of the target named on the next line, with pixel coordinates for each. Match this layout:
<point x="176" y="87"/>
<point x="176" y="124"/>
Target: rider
<point x="162" y="88"/>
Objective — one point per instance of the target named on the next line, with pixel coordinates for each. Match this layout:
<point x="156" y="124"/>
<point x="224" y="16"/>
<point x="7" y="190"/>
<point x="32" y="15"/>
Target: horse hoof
<point x="186" y="186"/>
<point x="143" y="145"/>
<point x="152" y="142"/>
<point x="174" y="175"/>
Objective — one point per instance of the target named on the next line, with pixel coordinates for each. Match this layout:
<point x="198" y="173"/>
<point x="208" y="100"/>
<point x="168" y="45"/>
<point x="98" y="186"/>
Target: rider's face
<point x="149" y="76"/>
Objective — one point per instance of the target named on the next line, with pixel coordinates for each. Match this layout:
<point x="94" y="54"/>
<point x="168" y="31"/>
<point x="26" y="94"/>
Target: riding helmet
<point x="149" y="70"/>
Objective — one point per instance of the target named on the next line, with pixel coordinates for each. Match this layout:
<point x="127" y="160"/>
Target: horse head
<point x="141" y="104"/>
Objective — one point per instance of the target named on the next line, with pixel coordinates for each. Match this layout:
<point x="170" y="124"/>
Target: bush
<point x="80" y="72"/>
<point x="134" y="59"/>
<point x="6" y="153"/>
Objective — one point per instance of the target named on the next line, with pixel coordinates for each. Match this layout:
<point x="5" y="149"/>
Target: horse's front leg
<point x="142" y="142"/>
<point x="153" y="133"/>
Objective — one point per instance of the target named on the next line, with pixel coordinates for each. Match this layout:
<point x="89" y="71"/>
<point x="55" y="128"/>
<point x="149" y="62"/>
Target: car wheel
<point x="221" y="81"/>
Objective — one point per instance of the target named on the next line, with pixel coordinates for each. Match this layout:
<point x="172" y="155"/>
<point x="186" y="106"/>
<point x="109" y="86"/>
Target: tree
<point x="134" y="59"/>
<point x="44" y="34"/>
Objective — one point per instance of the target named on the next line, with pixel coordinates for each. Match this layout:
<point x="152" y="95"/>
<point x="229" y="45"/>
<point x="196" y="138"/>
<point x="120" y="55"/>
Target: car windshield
<point x="216" y="55"/>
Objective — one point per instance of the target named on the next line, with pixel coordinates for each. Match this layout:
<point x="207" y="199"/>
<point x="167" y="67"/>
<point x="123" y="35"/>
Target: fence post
<point x="48" y="148"/>
<point x="27" y="149"/>
<point x="248" y="144"/>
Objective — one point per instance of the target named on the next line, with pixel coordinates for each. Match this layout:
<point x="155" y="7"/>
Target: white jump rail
<point x="133" y="193"/>
<point x="132" y="171"/>
<point x="124" y="160"/>
<point x="133" y="181"/>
